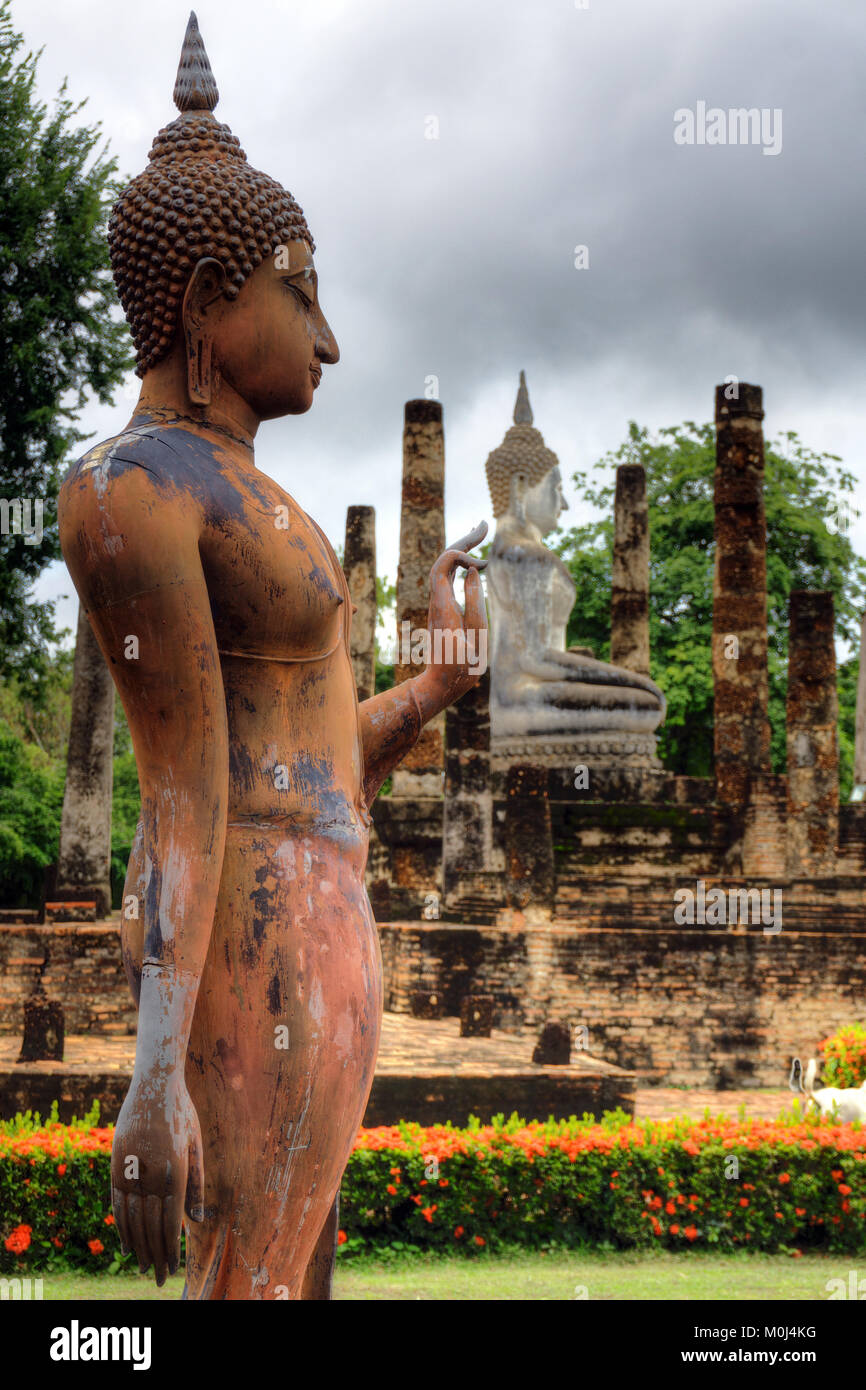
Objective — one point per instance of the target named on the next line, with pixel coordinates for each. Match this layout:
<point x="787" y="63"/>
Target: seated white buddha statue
<point x="537" y="687"/>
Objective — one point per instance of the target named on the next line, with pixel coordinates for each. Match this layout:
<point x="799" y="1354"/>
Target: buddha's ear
<point x="516" y="494"/>
<point x="206" y="285"/>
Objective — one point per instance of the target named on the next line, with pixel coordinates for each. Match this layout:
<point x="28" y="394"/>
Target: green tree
<point x="807" y="504"/>
<point x="61" y="335"/>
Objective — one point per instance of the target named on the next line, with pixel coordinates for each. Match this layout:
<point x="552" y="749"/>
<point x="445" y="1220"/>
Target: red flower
<point x="844" y="1189"/>
<point x="836" y="1173"/>
<point x="479" y="1240"/>
<point x="458" y="1232"/>
<point x="784" y="1177"/>
<point x="691" y="1233"/>
<point x="392" y="1189"/>
<point x="427" y="1212"/>
<point x="800" y="1211"/>
<point x="395" y="1172"/>
<point x="95" y="1247"/>
<point x="744" y="1201"/>
<point x="342" y="1237"/>
<point x="109" y="1220"/>
<point x="18" y="1240"/>
<point x="443" y="1182"/>
<point x="670" y="1208"/>
<point x="674" y="1230"/>
<point x="61" y="1168"/>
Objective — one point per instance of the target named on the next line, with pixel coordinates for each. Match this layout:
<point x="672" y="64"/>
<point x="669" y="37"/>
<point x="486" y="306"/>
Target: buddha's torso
<point x="532" y="595"/>
<point x="281" y="615"/>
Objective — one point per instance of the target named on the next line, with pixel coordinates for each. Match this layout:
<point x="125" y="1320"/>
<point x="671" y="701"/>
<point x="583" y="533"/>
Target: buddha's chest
<point x="275" y="588"/>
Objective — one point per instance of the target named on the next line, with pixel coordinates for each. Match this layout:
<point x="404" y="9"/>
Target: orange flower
<point x="670" y="1208"/>
<point x="744" y="1201"/>
<point x="458" y="1232"/>
<point x="61" y="1168"/>
<point x="443" y="1182"/>
<point x="109" y="1220"/>
<point x="844" y="1189"/>
<point x="837" y="1174"/>
<point x="674" y="1230"/>
<point x="479" y="1240"/>
<point x="391" y="1189"/>
<point x="395" y="1172"/>
<point x="784" y="1177"/>
<point x="427" y="1212"/>
<point x="95" y="1247"/>
<point x="342" y="1237"/>
<point x="691" y="1233"/>
<point x="18" y="1240"/>
<point x="800" y="1211"/>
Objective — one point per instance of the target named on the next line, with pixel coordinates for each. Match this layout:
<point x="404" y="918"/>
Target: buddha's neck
<point x="164" y="395"/>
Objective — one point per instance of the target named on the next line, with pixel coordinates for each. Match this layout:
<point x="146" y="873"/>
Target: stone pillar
<point x="422" y="540"/>
<point x="629" y="608"/>
<point x="529" y="866"/>
<point x="84" y="856"/>
<point x="467" y="827"/>
<point x="359" y="567"/>
<point x="813" y="749"/>
<point x="859" y="790"/>
<point x="740" y="674"/>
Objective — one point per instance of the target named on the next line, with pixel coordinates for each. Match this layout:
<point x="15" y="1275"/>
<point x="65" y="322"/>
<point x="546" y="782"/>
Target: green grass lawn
<point x="534" y="1277"/>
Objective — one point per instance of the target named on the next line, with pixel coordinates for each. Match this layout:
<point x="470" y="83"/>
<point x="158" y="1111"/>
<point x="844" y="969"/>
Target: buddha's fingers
<point x="475" y="617"/>
<point x="172" y="1213"/>
<point x="140" y="1244"/>
<point x="118" y="1206"/>
<point x="475" y="537"/>
<point x="195" y="1180"/>
<point x="153" y="1217"/>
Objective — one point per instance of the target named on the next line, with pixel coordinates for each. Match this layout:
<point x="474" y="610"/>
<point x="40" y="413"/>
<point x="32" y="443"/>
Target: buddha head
<point x="213" y="262"/>
<point x="523" y="474"/>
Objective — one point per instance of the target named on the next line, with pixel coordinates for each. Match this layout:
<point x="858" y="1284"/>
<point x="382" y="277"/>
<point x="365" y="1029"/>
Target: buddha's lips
<point x="316" y="374"/>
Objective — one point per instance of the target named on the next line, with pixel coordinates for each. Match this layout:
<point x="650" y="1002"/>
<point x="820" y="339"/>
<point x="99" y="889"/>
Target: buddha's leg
<point x="320" y="1271"/>
<point x="281" y="1061"/>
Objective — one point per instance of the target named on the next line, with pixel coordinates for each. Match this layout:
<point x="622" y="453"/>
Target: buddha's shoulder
<point x="149" y="458"/>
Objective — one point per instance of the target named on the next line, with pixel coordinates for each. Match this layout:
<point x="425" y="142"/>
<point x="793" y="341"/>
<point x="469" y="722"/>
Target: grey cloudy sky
<point x="454" y="257"/>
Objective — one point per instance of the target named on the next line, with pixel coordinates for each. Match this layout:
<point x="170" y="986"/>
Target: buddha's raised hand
<point x="458" y="638"/>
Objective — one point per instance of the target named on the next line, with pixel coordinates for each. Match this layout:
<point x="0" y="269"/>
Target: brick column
<point x="422" y="540"/>
<point x="84" y="855"/>
<point x="529" y="865"/>
<point x="467" y="828"/>
<point x="813" y="751"/>
<point x="740" y="675"/>
<point x="629" y="608"/>
<point x="359" y="567"/>
<point x="859" y="791"/>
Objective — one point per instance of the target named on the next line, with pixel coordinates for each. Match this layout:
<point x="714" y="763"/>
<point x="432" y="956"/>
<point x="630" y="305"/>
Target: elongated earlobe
<point x="204" y="288"/>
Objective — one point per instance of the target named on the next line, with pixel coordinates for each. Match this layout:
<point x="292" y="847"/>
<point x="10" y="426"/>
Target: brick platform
<point x="426" y="1072"/>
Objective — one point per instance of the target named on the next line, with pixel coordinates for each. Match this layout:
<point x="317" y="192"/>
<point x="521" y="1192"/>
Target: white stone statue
<point x="547" y="702"/>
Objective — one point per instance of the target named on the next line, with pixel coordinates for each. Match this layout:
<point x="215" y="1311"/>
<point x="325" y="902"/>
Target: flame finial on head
<point x="195" y="88"/>
<point x="522" y="408"/>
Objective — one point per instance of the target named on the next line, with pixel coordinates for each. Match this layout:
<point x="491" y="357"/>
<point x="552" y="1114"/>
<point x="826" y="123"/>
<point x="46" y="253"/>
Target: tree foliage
<point x="61" y="334"/>
<point x="808" y="510"/>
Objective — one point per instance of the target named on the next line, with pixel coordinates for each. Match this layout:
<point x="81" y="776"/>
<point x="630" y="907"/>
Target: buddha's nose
<point x="326" y="345"/>
<point x="565" y="506"/>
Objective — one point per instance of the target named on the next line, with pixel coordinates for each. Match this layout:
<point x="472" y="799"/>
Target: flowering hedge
<point x="844" y="1057"/>
<point x="723" y="1183"/>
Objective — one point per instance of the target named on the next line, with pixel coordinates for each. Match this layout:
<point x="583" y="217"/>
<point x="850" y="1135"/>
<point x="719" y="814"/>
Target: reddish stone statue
<point x="224" y="617"/>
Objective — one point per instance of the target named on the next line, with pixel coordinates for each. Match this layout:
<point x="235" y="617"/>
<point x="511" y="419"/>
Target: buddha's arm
<point x="133" y="553"/>
<point x="392" y="720"/>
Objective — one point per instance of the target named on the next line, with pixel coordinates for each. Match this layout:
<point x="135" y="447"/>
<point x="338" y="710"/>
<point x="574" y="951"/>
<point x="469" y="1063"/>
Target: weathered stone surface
<point x="553" y="1048"/>
<point x="629" y="609"/>
<point x="422" y="540"/>
<point x="813" y="745"/>
<point x="476" y="1016"/>
<point x="859" y="789"/>
<point x="530" y="879"/>
<point x="740" y="675"/>
<point x="359" y="567"/>
<point x="84" y="857"/>
<point x="467" y="826"/>
<point x="43" y="1028"/>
